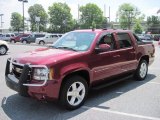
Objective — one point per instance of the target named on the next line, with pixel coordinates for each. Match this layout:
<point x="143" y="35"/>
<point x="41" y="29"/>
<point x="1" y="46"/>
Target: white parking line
<point x="154" y="68"/>
<point x="154" y="83"/>
<point x="121" y="113"/>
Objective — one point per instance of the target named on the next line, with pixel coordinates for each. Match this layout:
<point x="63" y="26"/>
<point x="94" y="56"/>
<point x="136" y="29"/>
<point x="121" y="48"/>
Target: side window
<point x="7" y="35"/>
<point x="108" y="39"/>
<point x="124" y="40"/>
<point x="54" y="36"/>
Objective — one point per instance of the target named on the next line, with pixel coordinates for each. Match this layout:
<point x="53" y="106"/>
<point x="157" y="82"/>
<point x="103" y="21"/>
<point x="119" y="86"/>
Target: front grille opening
<point x="17" y="70"/>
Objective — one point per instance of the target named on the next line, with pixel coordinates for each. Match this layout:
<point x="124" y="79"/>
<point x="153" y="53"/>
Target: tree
<point x="137" y="27"/>
<point x="153" y="23"/>
<point x="153" y="20"/>
<point x="91" y="13"/>
<point x="16" y="21"/>
<point x="34" y="11"/>
<point x="60" y="17"/>
<point x="127" y="13"/>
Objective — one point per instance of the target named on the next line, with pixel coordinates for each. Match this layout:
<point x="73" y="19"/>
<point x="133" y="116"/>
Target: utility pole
<point x="104" y="10"/>
<point x="23" y="1"/>
<point x="78" y="12"/>
<point x="109" y="15"/>
<point x="1" y="15"/>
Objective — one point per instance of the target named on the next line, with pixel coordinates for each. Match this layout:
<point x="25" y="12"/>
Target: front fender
<point x="66" y="70"/>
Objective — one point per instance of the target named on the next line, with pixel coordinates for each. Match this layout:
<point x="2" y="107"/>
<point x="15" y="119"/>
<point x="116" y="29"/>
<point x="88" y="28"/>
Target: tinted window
<point x="39" y="35"/>
<point x="53" y="36"/>
<point x="7" y="35"/>
<point x="124" y="40"/>
<point x="60" y="35"/>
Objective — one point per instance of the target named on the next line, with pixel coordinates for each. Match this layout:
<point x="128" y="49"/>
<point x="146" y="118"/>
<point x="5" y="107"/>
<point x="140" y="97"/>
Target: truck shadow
<point x="18" y="108"/>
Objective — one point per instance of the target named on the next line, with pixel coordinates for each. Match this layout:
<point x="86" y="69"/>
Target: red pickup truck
<point x="78" y="61"/>
<point x="17" y="38"/>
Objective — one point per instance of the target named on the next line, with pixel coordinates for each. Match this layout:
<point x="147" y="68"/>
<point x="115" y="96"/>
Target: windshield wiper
<point x="63" y="47"/>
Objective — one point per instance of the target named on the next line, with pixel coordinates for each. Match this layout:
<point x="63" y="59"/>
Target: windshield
<point x="78" y="41"/>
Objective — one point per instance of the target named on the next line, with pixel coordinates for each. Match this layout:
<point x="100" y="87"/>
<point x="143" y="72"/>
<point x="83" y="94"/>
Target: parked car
<point x="31" y="38"/>
<point x="7" y="37"/>
<point x="146" y="37"/>
<point x="159" y="42"/>
<point x="156" y="37"/>
<point x="48" y="38"/>
<point x="3" y="47"/>
<point x="78" y="61"/>
<point x="17" y="38"/>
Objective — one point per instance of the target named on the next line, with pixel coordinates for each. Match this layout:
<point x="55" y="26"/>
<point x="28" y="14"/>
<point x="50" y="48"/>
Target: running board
<point x="106" y="84"/>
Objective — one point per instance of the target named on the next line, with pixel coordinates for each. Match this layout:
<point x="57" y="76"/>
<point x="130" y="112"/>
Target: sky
<point x="147" y="7"/>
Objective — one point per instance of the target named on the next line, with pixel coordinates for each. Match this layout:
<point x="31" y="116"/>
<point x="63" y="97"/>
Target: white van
<point x="7" y="36"/>
<point x="48" y="39"/>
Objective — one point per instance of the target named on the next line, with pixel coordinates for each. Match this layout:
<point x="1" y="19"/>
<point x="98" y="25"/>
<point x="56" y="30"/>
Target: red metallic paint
<point x="98" y="65"/>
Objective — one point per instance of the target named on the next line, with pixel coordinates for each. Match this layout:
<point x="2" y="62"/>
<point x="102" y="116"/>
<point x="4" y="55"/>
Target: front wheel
<point x="74" y="92"/>
<point x="142" y="70"/>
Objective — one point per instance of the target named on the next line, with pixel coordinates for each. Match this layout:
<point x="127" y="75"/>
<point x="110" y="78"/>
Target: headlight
<point x="40" y="74"/>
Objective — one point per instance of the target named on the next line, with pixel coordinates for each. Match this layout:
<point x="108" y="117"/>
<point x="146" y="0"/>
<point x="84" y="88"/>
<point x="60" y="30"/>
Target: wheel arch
<point x="42" y="41"/>
<point x="145" y="57"/>
<point x="82" y="73"/>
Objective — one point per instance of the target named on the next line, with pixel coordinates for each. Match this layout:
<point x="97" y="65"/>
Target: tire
<point x="41" y="42"/>
<point x="13" y="41"/>
<point x="3" y="50"/>
<point x="24" y="42"/>
<point x="142" y="70"/>
<point x="74" y="87"/>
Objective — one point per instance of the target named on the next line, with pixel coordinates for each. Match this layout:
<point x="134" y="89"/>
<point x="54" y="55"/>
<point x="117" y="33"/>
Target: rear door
<point x="127" y="51"/>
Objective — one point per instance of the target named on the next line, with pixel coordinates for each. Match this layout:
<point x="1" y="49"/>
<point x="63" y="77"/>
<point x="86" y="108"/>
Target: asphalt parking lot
<point x="128" y="100"/>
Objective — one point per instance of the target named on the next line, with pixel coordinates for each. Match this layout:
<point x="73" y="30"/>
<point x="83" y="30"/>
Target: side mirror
<point x="103" y="48"/>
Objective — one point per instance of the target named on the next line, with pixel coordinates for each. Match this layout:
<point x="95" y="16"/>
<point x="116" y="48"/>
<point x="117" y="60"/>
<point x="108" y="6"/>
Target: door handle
<point x="115" y="56"/>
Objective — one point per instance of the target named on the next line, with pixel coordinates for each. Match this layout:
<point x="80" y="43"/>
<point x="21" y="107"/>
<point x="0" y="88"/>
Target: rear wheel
<point x="24" y="42"/>
<point x="74" y="92"/>
<point x="13" y="41"/>
<point x="41" y="42"/>
<point x="3" y="50"/>
<point x="142" y="70"/>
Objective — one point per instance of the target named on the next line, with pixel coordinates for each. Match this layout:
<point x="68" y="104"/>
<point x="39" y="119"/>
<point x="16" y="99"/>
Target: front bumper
<point x="25" y="85"/>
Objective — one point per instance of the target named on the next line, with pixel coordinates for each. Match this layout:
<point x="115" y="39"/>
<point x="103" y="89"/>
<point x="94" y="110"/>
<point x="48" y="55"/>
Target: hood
<point x="3" y="42"/>
<point x="44" y="56"/>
